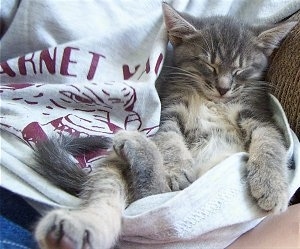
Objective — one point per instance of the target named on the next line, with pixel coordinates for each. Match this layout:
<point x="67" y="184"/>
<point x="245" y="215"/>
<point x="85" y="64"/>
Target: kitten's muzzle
<point x="224" y="83"/>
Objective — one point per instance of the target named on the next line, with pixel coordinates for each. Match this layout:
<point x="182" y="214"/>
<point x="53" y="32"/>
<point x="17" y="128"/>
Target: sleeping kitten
<point x="213" y="105"/>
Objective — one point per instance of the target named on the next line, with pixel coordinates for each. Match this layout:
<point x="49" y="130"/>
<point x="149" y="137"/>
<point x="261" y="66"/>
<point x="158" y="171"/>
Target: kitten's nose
<point x="222" y="91"/>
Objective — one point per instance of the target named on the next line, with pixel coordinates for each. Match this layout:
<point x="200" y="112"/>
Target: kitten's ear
<point x="270" y="39"/>
<point x="177" y="26"/>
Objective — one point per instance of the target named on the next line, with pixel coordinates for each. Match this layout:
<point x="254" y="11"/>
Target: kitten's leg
<point x="162" y="163"/>
<point x="97" y="223"/>
<point x="145" y="163"/>
<point x="177" y="159"/>
<point x="268" y="169"/>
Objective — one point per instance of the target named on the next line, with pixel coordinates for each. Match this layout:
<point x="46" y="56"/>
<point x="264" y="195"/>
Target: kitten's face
<point x="219" y="55"/>
<point x="221" y="60"/>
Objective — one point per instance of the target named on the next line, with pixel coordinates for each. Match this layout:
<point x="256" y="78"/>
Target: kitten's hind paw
<point x="65" y="229"/>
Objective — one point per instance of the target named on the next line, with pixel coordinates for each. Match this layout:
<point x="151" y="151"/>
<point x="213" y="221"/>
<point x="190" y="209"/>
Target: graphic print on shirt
<point x="74" y="110"/>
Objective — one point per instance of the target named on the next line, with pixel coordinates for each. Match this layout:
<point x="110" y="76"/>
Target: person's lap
<point x="276" y="231"/>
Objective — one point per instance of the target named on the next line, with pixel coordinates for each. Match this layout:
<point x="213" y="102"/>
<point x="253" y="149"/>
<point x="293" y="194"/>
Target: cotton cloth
<point x="85" y="68"/>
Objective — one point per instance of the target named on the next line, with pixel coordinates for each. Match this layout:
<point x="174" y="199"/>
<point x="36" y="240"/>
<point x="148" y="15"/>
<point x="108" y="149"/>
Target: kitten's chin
<point x="220" y="99"/>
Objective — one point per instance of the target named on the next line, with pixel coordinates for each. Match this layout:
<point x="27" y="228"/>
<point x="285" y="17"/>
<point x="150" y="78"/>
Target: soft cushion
<point x="284" y="75"/>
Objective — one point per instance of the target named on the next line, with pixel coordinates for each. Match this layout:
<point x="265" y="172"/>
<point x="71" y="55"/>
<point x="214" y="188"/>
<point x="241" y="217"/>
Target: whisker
<point x="178" y="68"/>
<point x="209" y="86"/>
<point x="182" y="70"/>
<point x="184" y="73"/>
<point x="184" y="76"/>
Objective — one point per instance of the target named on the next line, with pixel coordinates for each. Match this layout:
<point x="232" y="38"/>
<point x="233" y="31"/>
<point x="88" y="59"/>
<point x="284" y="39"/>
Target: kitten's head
<point x="219" y="53"/>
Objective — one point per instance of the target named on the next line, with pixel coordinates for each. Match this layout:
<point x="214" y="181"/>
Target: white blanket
<point x="85" y="67"/>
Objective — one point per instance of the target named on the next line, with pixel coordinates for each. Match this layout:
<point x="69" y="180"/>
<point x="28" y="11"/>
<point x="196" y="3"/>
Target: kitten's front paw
<point x="145" y="163"/>
<point x="180" y="178"/>
<point x="128" y="143"/>
<point x="270" y="190"/>
<point x="62" y="229"/>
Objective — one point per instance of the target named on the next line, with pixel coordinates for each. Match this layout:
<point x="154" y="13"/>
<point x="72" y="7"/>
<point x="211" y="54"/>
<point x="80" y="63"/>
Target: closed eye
<point x="237" y="72"/>
<point x="209" y="66"/>
<point x="245" y="73"/>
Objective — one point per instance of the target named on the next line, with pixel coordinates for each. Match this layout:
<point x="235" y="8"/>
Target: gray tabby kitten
<point x="213" y="105"/>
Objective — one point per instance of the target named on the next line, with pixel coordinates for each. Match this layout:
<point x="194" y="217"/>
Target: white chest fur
<point x="216" y="132"/>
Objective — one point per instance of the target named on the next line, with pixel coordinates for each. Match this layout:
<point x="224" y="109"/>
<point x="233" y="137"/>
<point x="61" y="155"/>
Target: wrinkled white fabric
<point x="89" y="68"/>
